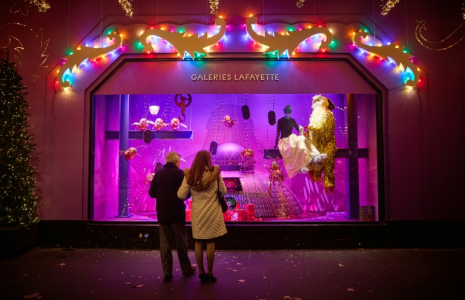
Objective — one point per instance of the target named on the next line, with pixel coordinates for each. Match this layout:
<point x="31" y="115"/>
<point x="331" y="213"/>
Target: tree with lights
<point x="18" y="200"/>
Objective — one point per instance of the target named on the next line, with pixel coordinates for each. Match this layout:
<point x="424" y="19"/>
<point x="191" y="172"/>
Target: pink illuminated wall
<point x="424" y="133"/>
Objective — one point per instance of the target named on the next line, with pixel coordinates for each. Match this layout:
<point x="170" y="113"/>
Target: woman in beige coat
<point x="202" y="181"/>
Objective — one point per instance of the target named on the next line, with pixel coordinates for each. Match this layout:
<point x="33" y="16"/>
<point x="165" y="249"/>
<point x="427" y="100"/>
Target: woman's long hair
<point x="202" y="161"/>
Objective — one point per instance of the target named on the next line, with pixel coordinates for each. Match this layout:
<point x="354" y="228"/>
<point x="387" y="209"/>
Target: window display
<point x="297" y="169"/>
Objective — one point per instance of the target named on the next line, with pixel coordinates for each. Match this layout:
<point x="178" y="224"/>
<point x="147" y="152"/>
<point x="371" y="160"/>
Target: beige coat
<point x="206" y="219"/>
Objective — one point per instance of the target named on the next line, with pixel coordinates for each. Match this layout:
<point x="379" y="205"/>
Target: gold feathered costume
<point x="321" y="131"/>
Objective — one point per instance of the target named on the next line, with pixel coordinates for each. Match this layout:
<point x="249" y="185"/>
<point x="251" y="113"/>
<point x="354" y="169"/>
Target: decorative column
<point x="123" y="182"/>
<point x="353" y="193"/>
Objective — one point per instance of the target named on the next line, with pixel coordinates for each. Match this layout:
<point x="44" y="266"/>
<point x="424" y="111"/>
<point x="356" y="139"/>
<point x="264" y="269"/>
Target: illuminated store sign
<point x="235" y="77"/>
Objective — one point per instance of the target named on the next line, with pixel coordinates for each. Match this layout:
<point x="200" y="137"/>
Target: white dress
<point x="297" y="152"/>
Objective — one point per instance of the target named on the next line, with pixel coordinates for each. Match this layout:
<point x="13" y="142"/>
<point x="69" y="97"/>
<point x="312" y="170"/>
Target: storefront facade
<point x="385" y="108"/>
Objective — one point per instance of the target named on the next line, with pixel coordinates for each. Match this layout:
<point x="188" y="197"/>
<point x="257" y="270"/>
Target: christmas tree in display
<point x="18" y="201"/>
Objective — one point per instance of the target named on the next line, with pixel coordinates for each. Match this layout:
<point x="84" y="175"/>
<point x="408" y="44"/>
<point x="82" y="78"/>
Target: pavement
<point x="292" y="274"/>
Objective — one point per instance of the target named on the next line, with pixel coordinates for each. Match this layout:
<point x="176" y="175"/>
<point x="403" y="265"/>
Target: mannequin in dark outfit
<point x="285" y="125"/>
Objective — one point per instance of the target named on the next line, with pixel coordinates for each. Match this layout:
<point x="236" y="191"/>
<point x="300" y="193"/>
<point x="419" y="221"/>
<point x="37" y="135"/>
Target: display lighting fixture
<point x="154" y="109"/>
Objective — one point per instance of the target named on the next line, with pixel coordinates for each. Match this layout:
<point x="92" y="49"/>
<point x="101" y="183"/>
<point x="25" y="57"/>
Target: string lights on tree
<point x="18" y="200"/>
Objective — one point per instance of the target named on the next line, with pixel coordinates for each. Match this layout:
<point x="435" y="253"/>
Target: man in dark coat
<point x="171" y="212"/>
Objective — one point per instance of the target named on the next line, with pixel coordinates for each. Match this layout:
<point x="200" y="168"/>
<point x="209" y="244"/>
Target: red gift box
<point x="244" y="215"/>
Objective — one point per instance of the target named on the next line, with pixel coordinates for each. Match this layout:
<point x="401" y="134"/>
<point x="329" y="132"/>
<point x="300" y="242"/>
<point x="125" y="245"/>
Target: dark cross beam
<point x="123" y="194"/>
<point x="353" y="191"/>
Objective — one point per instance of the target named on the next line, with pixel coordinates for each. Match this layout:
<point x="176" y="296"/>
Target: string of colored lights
<point x="388" y="51"/>
<point x="406" y="73"/>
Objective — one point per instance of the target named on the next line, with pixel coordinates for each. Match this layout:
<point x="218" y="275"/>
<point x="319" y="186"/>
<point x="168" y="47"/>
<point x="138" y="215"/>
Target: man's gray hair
<point x="172" y="157"/>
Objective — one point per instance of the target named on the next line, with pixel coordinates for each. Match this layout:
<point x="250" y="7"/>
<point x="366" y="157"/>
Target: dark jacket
<point x="164" y="187"/>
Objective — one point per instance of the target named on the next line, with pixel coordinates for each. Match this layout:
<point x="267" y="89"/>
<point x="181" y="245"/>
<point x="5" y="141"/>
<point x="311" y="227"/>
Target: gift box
<point x="244" y="215"/>
<point x="250" y="208"/>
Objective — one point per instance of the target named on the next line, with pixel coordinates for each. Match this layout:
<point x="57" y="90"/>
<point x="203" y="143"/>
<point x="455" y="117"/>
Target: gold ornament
<point x="42" y="5"/>
<point x="421" y="25"/>
<point x="387" y="7"/>
<point x="83" y="52"/>
<point x="393" y="53"/>
<point x="214" y="6"/>
<point x="184" y="44"/>
<point x="127" y="7"/>
<point x="300" y="3"/>
<point x="324" y="139"/>
<point x="281" y="43"/>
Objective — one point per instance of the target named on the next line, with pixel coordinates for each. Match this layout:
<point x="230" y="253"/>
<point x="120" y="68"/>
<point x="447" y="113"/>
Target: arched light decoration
<point x="283" y="44"/>
<point x="393" y="54"/>
<point x="81" y="53"/>
<point x="187" y="46"/>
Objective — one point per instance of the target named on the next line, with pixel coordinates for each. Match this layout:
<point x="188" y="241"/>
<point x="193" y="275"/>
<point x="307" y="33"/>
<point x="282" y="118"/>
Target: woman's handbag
<point x="224" y="206"/>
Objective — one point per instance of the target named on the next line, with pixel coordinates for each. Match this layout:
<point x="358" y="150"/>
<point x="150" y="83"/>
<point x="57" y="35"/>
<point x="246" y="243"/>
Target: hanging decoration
<point x="246" y="160"/>
<point x="42" y="5"/>
<point x="74" y="59"/>
<point x="283" y="44"/>
<point x="393" y="54"/>
<point x="228" y="121"/>
<point x="159" y="125"/>
<point x="214" y="6"/>
<point x="300" y="3"/>
<point x="276" y="174"/>
<point x="127" y="7"/>
<point x="143" y="123"/>
<point x="130" y="153"/>
<point x="187" y="46"/>
<point x="421" y="25"/>
<point x="182" y="104"/>
<point x="388" y="5"/>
